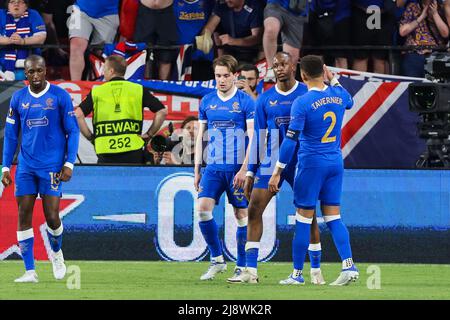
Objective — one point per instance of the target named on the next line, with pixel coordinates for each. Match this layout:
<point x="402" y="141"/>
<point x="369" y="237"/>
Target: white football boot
<point x="59" y="268"/>
<point x="346" y="276"/>
<point x="317" y="277"/>
<point x="214" y="268"/>
<point x="28" y="276"/>
<point x="245" y="276"/>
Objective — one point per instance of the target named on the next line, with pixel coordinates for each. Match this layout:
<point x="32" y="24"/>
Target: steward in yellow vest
<point x="117" y="118"/>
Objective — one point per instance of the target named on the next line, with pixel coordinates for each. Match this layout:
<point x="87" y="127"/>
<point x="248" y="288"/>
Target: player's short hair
<point x="187" y="120"/>
<point x="118" y="64"/>
<point x="226" y="61"/>
<point x="34" y="58"/>
<point x="249" y="67"/>
<point x="312" y="66"/>
<point x="287" y="54"/>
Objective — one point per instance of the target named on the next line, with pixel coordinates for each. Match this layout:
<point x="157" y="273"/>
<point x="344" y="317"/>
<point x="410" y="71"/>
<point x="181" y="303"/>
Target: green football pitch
<point x="180" y="280"/>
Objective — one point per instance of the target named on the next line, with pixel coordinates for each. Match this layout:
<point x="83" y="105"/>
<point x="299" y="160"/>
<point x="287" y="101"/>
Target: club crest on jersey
<point x="273" y="103"/>
<point x="25" y="105"/>
<point x="49" y="103"/>
<point x="41" y="122"/>
<point x="236" y="107"/>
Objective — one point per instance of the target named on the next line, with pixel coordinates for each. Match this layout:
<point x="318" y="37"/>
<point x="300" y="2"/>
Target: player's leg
<point x="211" y="188"/>
<point x="50" y="191"/>
<point x="307" y="185"/>
<point x="315" y="253"/>
<point x="259" y="199"/>
<point x="25" y="236"/>
<point x="240" y="204"/>
<point x="314" y="249"/>
<point x="26" y="193"/>
<point x="330" y="197"/>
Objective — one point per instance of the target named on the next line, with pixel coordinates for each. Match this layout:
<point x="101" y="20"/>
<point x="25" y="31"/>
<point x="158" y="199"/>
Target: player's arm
<point x="85" y="108"/>
<point x="73" y="136"/>
<point x="10" y="141"/>
<point x="153" y="103"/>
<point x="198" y="157"/>
<point x="256" y="147"/>
<point x="287" y="149"/>
<point x="239" y="177"/>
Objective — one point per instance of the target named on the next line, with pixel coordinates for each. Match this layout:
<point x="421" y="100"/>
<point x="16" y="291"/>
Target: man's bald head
<point x="34" y="60"/>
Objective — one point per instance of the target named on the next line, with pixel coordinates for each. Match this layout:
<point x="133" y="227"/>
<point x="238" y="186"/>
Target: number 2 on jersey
<point x="326" y="138"/>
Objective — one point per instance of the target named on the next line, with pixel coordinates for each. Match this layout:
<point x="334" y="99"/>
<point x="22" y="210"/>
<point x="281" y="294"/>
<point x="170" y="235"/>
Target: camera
<point x="432" y="102"/>
<point x="162" y="143"/>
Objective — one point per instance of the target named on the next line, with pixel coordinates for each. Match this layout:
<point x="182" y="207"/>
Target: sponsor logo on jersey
<point x="25" y="105"/>
<point x="223" y="124"/>
<point x="273" y="103"/>
<point x="282" y="120"/>
<point x="213" y="107"/>
<point x="41" y="122"/>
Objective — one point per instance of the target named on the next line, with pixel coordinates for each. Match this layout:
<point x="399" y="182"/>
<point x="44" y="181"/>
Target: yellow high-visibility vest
<point x="118" y="117"/>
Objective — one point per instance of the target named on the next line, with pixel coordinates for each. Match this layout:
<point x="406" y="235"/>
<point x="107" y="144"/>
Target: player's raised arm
<point x="10" y="141"/>
<point x="72" y="131"/>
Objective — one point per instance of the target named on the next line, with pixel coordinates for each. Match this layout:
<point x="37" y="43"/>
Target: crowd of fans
<point x="250" y="30"/>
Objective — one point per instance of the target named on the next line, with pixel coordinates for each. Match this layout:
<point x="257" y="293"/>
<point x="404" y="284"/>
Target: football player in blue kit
<point x="225" y="118"/>
<point x="316" y="121"/>
<point x="272" y="117"/>
<point x="44" y="114"/>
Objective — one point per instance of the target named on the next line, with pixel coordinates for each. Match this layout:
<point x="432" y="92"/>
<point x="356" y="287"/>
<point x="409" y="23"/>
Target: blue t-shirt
<point x="340" y="8"/>
<point x="318" y="115"/>
<point x="226" y="122"/>
<point x="239" y="24"/>
<point x="285" y="4"/>
<point x="49" y="128"/>
<point x="272" y="117"/>
<point x="36" y="23"/>
<point x="98" y="8"/>
<point x="191" y="17"/>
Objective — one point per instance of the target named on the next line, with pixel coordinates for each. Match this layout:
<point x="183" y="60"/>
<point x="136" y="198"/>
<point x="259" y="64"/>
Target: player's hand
<point x="6" y="178"/>
<point x="328" y="74"/>
<point x="248" y="187"/>
<point x="65" y="174"/>
<point x="197" y="178"/>
<point x="274" y="182"/>
<point x="239" y="180"/>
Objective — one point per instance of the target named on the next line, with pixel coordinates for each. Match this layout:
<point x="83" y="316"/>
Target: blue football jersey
<point x="272" y="118"/>
<point x="49" y="128"/>
<point x="191" y="17"/>
<point x="226" y="124"/>
<point x="318" y="116"/>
